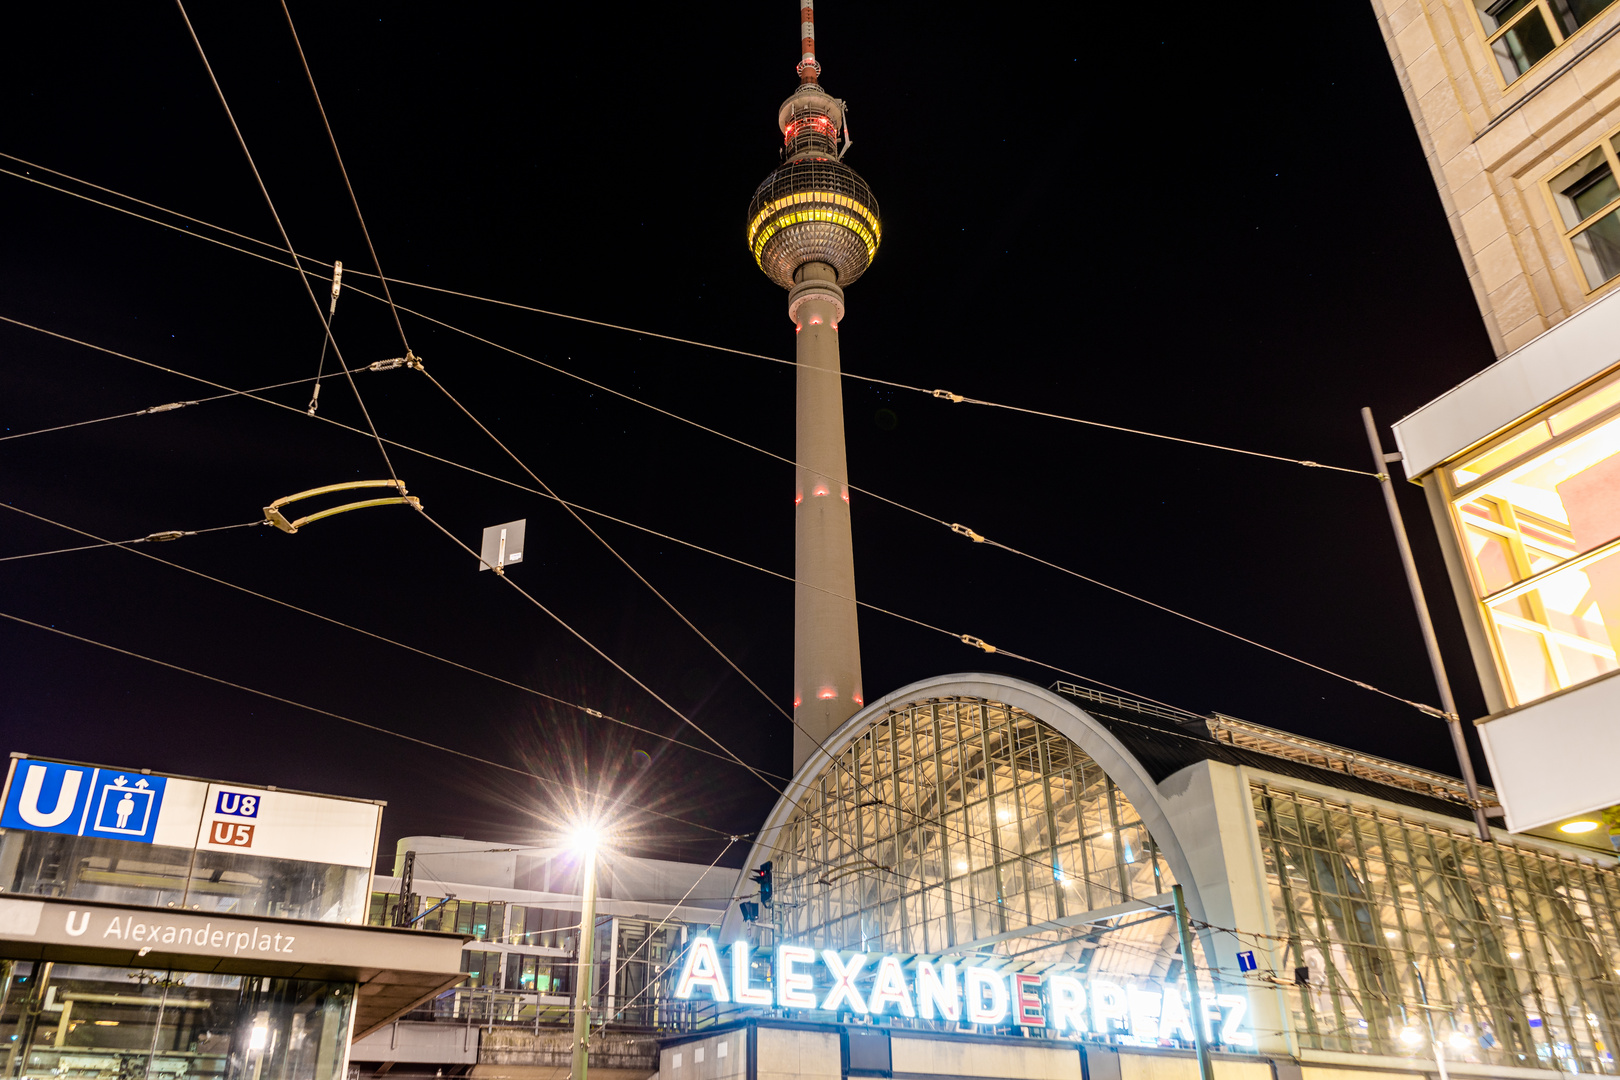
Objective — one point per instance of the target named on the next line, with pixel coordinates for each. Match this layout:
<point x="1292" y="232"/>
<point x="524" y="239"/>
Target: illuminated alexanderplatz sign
<point x="867" y="985"/>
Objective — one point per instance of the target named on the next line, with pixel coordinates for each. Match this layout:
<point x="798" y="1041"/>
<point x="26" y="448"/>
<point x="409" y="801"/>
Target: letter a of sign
<point x="702" y="968"/>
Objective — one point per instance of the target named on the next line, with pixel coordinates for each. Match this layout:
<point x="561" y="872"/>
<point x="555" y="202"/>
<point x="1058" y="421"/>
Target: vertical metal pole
<point x="587" y="968"/>
<point x="1448" y="704"/>
<point x="1428" y="1018"/>
<point x="1206" y="1067"/>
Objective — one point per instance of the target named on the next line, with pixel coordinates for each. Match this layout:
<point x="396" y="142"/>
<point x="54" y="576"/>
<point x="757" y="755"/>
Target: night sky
<point x="1226" y="236"/>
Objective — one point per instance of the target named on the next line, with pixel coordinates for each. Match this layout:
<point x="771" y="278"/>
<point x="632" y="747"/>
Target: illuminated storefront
<point x="161" y="926"/>
<point x="1521" y="467"/>
<point x="982" y="859"/>
<point x="1537" y="511"/>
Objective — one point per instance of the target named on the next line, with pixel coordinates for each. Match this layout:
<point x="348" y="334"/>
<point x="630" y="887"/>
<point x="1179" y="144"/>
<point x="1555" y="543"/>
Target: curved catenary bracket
<point x="274" y="516"/>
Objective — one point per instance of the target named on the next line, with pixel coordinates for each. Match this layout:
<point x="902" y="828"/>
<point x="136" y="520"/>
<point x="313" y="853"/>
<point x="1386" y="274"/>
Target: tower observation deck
<point x="813" y="228"/>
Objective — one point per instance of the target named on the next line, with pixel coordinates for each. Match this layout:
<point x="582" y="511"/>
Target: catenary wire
<point x="151" y="538"/>
<point x="835" y="760"/>
<point x="621" y="801"/>
<point x="360" y="630"/>
<point x="424" y="742"/>
<point x="622" y="560"/>
<point x="281" y="405"/>
<point x="560" y="621"/>
<point x="935" y="393"/>
<point x="989" y="905"/>
<point x="956" y="528"/>
<point x="635" y="807"/>
<point x="155" y="409"/>
<point x="347" y="183"/>
<point x="1426" y="709"/>
<point x="648" y="939"/>
<point x="1429" y="710"/>
<point x="303" y="276"/>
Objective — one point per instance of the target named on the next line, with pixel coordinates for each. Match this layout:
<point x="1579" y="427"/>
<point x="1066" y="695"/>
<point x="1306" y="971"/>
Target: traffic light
<point x="750" y="910"/>
<point x="762" y="878"/>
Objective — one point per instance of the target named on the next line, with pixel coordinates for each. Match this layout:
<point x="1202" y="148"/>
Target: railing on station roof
<point x="1291" y="747"/>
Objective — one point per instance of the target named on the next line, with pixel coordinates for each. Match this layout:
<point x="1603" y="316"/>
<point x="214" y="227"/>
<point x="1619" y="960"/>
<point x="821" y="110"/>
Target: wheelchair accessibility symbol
<point x="125" y="808"/>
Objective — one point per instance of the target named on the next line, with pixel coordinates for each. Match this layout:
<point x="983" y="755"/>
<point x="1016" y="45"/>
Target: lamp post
<point x="585" y="841"/>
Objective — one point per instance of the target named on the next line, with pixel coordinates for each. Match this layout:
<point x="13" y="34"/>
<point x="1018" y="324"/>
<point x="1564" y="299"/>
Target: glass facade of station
<point x="954" y="825"/>
<point x="1536" y="512"/>
<point x="1509" y="950"/>
<point x="951" y="822"/>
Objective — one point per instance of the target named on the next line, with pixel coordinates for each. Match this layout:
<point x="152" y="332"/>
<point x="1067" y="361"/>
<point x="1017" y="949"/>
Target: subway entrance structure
<point x="169" y="927"/>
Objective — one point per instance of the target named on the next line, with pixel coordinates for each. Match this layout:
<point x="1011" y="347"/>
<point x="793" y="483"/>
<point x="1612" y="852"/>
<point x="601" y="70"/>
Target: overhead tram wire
<point x="586" y="709"/>
<point x="388" y="298"/>
<point x="620" y="801"/>
<point x="835" y="760"/>
<point x="157" y="409"/>
<point x="965" y="638"/>
<point x="781" y="791"/>
<point x="954" y="527"/>
<point x="303" y="276"/>
<point x="633" y="807"/>
<point x="347" y="183"/>
<point x="588" y="643"/>
<point x="730" y="757"/>
<point x="162" y="536"/>
<point x="612" y="550"/>
<point x="877" y="868"/>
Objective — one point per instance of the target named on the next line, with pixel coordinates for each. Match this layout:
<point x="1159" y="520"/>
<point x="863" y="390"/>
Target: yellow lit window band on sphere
<point x="865" y="225"/>
<point x="831" y="216"/>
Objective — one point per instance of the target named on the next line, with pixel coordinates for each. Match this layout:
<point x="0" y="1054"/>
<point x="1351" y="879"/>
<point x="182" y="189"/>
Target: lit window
<point x="1587" y="197"/>
<point x="1538" y="518"/>
<point x="1522" y="32"/>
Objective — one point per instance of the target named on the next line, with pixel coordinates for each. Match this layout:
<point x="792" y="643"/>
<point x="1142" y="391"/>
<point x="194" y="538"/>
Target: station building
<point x="1348" y="916"/>
<point x="164" y="926"/>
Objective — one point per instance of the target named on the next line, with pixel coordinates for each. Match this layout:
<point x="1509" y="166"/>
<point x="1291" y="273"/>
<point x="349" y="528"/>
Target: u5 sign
<point x="142" y="807"/>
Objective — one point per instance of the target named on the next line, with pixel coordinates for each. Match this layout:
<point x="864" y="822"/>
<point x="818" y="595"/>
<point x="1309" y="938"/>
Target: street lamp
<point x="585" y="840"/>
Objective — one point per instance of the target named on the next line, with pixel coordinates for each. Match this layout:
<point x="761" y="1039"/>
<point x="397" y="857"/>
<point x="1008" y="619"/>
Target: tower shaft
<point x="826" y="643"/>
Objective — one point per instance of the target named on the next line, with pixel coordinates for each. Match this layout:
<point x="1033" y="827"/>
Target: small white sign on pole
<point x="503" y="545"/>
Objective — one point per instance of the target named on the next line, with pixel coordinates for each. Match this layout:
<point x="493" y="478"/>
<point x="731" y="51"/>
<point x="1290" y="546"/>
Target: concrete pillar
<point x="826" y="644"/>
<point x="1211" y="810"/>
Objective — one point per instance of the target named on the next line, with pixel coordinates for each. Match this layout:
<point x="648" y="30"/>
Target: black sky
<point x="1126" y="216"/>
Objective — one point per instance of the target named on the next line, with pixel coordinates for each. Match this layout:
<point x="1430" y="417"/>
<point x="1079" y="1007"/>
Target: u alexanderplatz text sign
<point x="869" y="985"/>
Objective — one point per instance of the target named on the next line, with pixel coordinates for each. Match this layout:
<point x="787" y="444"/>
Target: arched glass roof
<point x="964" y="824"/>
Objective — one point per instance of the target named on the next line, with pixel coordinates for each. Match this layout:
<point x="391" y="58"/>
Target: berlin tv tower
<point x="813" y="228"/>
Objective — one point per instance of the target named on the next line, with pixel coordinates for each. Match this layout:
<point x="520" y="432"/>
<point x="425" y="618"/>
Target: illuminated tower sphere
<point x="813" y="228"/>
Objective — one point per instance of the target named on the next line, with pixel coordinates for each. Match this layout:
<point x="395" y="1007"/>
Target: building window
<point x="484" y="921"/>
<point x="545" y="928"/>
<point x="1507" y="949"/>
<point x="540" y="974"/>
<point x="1522" y="32"/>
<point x="1538" y="516"/>
<point x="482" y="968"/>
<point x="1587" y="199"/>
